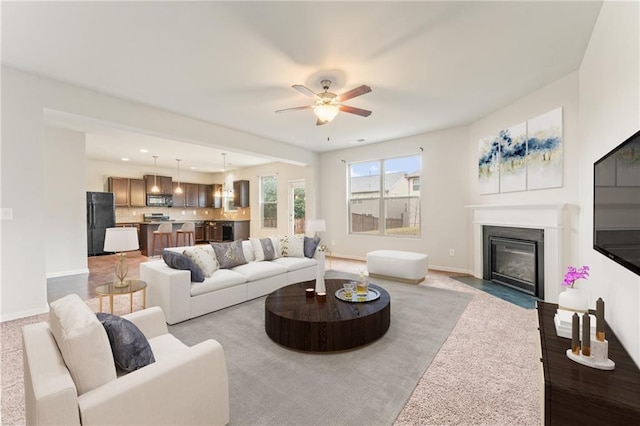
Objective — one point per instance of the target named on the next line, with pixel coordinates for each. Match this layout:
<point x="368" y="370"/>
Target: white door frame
<point x="293" y="185"/>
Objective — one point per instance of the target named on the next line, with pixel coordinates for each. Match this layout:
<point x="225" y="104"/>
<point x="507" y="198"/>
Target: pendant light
<point x="155" y="175"/>
<point x="178" y="189"/>
<point x="224" y="178"/>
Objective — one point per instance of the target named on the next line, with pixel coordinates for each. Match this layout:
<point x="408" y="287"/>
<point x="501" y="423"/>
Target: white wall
<point x="443" y="187"/>
<point x="25" y="98"/>
<point x="22" y="275"/>
<point x="65" y="236"/>
<point x="562" y="93"/>
<point x="610" y="113"/>
<point x="285" y="173"/>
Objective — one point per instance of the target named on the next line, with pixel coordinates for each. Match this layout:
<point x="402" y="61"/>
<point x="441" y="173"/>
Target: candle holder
<point x="310" y="293"/>
<point x="321" y="297"/>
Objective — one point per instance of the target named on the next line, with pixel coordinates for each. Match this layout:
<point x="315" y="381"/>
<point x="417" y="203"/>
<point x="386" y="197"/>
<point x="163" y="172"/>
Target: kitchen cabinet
<point x="137" y="193"/>
<point x="241" y="193"/>
<point x="205" y="195"/>
<point x="178" y="199"/>
<point x="216" y="232"/>
<point x="127" y="192"/>
<point x="165" y="184"/>
<point x="200" y="234"/>
<point x="191" y="197"/>
<point x="229" y="230"/>
<point x="120" y="189"/>
<point x="217" y="195"/>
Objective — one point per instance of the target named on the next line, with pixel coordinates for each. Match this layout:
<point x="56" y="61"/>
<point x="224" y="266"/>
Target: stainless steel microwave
<point x="159" y="200"/>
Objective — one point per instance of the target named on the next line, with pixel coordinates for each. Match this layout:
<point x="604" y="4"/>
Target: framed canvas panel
<point x="545" y="150"/>
<point x="513" y="158"/>
<point x="488" y="165"/>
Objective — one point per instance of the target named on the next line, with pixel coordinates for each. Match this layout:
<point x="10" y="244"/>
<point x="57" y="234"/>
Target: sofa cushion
<point x="129" y="346"/>
<point x="291" y="245"/>
<point x="83" y="343"/>
<point x="258" y="270"/>
<point x="310" y="246"/>
<point x="182" y="262"/>
<point x="295" y="263"/>
<point x="229" y="254"/>
<point x="221" y="279"/>
<point x="276" y="246"/>
<point x="205" y="257"/>
<point x="263" y="248"/>
<point x="247" y="250"/>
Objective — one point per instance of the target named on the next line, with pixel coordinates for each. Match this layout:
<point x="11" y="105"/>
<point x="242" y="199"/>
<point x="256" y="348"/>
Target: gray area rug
<point x="272" y="385"/>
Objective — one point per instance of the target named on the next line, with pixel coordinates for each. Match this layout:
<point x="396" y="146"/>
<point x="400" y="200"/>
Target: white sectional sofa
<point x="181" y="299"/>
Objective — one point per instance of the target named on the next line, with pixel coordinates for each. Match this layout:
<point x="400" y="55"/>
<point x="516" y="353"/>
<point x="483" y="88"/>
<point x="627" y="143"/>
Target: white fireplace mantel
<point x="548" y="217"/>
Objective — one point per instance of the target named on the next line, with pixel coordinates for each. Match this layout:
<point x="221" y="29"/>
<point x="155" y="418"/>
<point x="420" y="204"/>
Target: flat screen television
<point x="616" y="204"/>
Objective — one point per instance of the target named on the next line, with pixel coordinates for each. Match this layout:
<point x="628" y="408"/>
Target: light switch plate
<point x="6" y="213"/>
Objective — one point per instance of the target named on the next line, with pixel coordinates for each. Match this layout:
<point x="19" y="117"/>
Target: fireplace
<point x="515" y="257"/>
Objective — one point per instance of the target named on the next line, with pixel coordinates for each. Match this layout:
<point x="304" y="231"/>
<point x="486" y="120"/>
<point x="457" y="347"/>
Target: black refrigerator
<point x="101" y="214"/>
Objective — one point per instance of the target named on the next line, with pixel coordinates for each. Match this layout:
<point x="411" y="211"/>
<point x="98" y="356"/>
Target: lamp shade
<point x="316" y="225"/>
<point x="121" y="239"/>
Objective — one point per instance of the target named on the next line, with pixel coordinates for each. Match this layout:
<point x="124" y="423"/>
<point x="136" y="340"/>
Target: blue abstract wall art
<point x="488" y="165"/>
<point x="513" y="158"/>
<point x="525" y="156"/>
<point x="544" y="150"/>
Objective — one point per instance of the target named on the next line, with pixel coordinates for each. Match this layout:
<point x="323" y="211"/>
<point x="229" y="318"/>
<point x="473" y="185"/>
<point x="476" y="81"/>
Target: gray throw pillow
<point x="130" y="348"/>
<point x="268" y="249"/>
<point x="180" y="261"/>
<point x="310" y="246"/>
<point x="229" y="255"/>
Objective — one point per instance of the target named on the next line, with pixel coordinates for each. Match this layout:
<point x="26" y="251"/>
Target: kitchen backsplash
<point x="136" y="214"/>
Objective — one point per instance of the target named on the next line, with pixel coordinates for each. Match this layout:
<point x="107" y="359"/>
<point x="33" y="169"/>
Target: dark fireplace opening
<point x="513" y="263"/>
<point x="514" y="257"/>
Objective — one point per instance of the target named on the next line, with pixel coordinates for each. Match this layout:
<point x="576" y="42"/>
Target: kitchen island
<point x="147" y="229"/>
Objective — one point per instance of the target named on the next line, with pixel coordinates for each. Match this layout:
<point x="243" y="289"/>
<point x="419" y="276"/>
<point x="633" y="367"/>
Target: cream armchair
<point x="185" y="385"/>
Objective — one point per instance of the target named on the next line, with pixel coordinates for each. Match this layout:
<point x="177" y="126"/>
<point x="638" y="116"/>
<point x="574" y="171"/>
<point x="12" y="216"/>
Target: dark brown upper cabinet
<point x="165" y="184"/>
<point x="137" y="193"/>
<point x="241" y="193"/>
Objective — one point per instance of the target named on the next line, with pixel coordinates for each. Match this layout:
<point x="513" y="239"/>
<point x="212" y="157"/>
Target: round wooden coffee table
<point x="301" y="323"/>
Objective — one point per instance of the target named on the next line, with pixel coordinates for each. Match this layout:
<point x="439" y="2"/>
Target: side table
<point x="111" y="290"/>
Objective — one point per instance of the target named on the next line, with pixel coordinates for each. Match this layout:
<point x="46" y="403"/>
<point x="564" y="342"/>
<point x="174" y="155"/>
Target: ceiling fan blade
<point x="320" y="122"/>
<point x="354" y="110"/>
<point x="305" y="91"/>
<point x="354" y="92"/>
<point x="293" y="109"/>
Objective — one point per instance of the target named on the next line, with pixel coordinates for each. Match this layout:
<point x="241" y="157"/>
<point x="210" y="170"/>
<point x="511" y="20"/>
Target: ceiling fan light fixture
<point x="326" y="113"/>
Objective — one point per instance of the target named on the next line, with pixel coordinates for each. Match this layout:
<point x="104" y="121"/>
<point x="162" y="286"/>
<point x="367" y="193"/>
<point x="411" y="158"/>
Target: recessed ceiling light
<point x="144" y="150"/>
<point x="192" y="168"/>
<point x="124" y="159"/>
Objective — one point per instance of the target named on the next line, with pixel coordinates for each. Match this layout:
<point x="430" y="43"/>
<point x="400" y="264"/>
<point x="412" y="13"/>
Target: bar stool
<point x="164" y="230"/>
<point x="187" y="233"/>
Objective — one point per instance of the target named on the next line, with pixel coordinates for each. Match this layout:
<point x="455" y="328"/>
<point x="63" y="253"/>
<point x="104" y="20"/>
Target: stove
<point x="157" y="217"/>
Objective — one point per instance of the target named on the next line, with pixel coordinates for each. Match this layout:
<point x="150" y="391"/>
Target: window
<point x="384" y="197"/>
<point x="269" y="201"/>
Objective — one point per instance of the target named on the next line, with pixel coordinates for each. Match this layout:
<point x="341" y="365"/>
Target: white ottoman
<point x="404" y="266"/>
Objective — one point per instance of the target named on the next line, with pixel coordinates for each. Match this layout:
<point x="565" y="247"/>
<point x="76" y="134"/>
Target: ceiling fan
<point x="327" y="105"/>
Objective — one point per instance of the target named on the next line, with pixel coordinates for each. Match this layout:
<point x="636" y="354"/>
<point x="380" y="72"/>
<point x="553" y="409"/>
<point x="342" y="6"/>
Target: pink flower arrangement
<point x="574" y="274"/>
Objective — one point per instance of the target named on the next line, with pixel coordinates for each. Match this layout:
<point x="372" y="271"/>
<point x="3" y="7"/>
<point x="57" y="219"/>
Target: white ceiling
<point x="431" y="65"/>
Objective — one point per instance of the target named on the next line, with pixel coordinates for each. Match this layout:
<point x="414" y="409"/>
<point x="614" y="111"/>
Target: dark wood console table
<point x="578" y="395"/>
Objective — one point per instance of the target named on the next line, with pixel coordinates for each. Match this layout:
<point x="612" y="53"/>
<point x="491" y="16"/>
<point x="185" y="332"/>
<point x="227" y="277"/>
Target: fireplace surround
<point x="555" y="220"/>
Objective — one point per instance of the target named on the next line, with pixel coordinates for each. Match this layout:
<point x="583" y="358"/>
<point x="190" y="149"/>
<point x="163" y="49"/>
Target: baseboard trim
<point x="67" y="273"/>
<point x="24" y="314"/>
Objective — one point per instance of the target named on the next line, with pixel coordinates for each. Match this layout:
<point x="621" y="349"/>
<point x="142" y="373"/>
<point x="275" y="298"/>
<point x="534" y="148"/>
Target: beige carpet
<point x="484" y="374"/>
